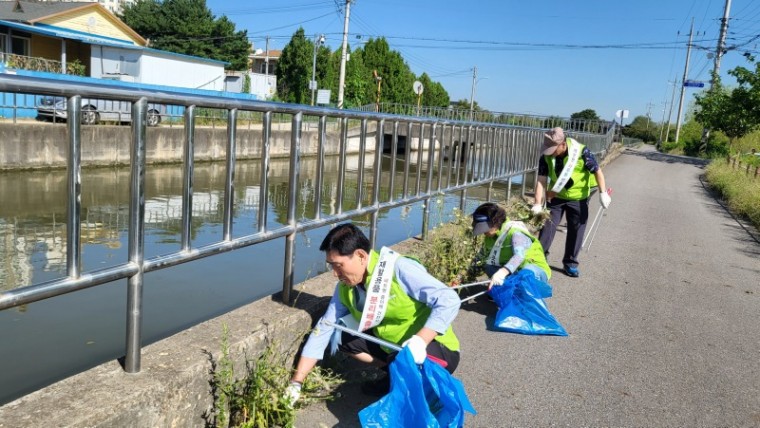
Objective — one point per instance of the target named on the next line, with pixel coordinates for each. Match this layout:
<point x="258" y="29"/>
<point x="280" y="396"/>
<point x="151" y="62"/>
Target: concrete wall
<point x="39" y="145"/>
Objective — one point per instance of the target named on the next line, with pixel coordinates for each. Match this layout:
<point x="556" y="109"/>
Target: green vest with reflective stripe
<point x="404" y="316"/>
<point x="534" y="255"/>
<point x="583" y="180"/>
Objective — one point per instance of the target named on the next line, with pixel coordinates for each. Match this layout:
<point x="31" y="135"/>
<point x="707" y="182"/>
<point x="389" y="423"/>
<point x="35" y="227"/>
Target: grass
<point x="741" y="191"/>
<point x="258" y="398"/>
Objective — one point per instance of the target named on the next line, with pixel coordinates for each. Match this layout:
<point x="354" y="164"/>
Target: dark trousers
<point x="576" y="213"/>
<point x="356" y="345"/>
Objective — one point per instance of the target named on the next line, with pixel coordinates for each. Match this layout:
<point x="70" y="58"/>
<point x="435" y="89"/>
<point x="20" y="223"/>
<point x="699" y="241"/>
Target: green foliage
<point x="741" y="191"/>
<point x="294" y="69"/>
<point x="247" y="83"/>
<point x="397" y="78"/>
<point x="358" y="86"/>
<point x="433" y="95"/>
<point x="454" y="256"/>
<point x="552" y="121"/>
<point x="642" y="128"/>
<point x="258" y="400"/>
<point x="588" y="114"/>
<point x="691" y="139"/>
<point x="188" y="27"/>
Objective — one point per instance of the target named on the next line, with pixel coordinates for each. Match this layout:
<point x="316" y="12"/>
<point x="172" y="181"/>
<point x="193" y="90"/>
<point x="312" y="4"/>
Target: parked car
<point x="97" y="110"/>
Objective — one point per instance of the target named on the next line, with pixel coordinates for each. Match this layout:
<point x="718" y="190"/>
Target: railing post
<point x="266" y="133"/>
<point x="229" y="188"/>
<point x="136" y="236"/>
<point x="74" y="200"/>
<point x="187" y="177"/>
<point x="290" y="239"/>
<point x="376" y="181"/>
<point x="429" y="185"/>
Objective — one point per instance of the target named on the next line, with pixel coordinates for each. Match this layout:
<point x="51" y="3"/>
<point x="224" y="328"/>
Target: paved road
<point x="664" y="321"/>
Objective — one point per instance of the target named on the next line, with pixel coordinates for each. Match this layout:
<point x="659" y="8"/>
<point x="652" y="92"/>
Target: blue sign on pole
<point x="693" y="84"/>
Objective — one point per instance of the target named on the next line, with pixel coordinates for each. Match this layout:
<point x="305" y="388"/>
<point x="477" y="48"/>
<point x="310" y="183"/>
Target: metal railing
<point x="458" y="156"/>
<point x="516" y="119"/>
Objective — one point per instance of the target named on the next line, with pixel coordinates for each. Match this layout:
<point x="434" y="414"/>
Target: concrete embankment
<point x="45" y="145"/>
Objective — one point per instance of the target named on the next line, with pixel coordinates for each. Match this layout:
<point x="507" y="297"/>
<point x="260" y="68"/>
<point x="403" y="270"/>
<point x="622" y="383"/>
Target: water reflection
<point x="87" y="328"/>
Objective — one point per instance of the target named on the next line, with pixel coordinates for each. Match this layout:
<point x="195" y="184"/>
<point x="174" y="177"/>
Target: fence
<point x="736" y="163"/>
<point x="517" y="119"/>
<point x="458" y="156"/>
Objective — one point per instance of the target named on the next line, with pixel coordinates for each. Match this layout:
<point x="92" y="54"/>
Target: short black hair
<point x="495" y="214"/>
<point x="345" y="239"/>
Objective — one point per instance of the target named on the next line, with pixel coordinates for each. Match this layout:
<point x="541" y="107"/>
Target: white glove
<point x="418" y="347"/>
<point x="293" y="393"/>
<point x="536" y="209"/>
<point x="605" y="199"/>
<point x="498" y="277"/>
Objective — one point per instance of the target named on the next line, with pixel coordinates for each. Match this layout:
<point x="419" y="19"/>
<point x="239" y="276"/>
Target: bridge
<point x="658" y="311"/>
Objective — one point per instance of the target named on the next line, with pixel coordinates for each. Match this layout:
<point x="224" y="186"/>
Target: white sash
<point x="574" y="152"/>
<point x="379" y="289"/>
<point x="493" y="257"/>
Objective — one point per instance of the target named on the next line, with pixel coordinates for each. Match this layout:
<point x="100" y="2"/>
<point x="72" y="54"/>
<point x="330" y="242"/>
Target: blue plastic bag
<point x="427" y="398"/>
<point x="522" y="308"/>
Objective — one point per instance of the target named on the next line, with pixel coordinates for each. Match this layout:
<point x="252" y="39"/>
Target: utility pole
<point x="716" y="66"/>
<point x="342" y="80"/>
<point x="318" y="40"/>
<point x="266" y="61"/>
<point x="472" y="91"/>
<point x="649" y="116"/>
<point x="662" y="121"/>
<point x="721" y="42"/>
<point x="683" y="81"/>
<point x="672" y="101"/>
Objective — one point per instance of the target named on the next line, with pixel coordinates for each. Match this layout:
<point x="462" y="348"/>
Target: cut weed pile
<point x="452" y="254"/>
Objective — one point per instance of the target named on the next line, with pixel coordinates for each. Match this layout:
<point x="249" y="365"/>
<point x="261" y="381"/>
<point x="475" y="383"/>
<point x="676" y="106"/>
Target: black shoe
<point x="377" y="388"/>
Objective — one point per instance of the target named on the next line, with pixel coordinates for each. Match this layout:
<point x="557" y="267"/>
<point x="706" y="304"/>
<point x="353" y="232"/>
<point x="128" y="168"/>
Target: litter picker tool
<point x="474" y="296"/>
<point x="470" y="285"/>
<point x="595" y="226"/>
<point x="380" y="342"/>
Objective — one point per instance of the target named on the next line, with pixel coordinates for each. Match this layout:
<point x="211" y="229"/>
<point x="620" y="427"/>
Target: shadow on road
<point x="663" y="157"/>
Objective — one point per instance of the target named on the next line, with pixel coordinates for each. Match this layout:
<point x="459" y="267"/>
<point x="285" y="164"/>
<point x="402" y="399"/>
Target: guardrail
<point x="458" y="156"/>
<point x="517" y="119"/>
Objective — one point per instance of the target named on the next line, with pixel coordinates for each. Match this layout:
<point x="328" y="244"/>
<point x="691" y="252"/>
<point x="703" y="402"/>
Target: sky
<point x="544" y="57"/>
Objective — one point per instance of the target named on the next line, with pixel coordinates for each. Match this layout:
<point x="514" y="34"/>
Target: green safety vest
<point x="404" y="316"/>
<point x="534" y="255"/>
<point x="583" y="180"/>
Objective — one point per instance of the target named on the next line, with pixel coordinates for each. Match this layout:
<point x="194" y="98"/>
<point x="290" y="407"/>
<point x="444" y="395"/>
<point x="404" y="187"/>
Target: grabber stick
<point x="470" y="285"/>
<point x="474" y="296"/>
<point x="598" y="217"/>
<point x="380" y="342"/>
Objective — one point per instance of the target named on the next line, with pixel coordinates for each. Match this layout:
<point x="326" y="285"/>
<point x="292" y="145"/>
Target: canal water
<point x="46" y="341"/>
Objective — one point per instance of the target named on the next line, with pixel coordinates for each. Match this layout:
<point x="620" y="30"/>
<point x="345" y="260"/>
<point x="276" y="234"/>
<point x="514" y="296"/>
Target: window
<point x="20" y="45"/>
<point x="3" y="41"/>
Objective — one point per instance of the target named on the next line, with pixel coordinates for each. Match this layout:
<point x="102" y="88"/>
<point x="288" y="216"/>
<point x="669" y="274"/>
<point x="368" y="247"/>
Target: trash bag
<point x="427" y="398"/>
<point x="522" y="308"/>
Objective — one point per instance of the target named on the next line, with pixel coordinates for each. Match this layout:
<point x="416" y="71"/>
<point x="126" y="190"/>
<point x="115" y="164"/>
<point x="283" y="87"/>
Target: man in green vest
<point x="386" y="295"/>
<point x="508" y="245"/>
<point x="567" y="172"/>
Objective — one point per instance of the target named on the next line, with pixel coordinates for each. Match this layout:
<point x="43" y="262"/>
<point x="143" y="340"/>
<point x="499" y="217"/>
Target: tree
<point x="188" y="27"/>
<point x="734" y="112"/>
<point x="294" y="69"/>
<point x="588" y="114"/>
<point x="728" y="111"/>
<point x="433" y="95"/>
<point x="642" y="128"/>
<point x="397" y="78"/>
<point x="358" y="85"/>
